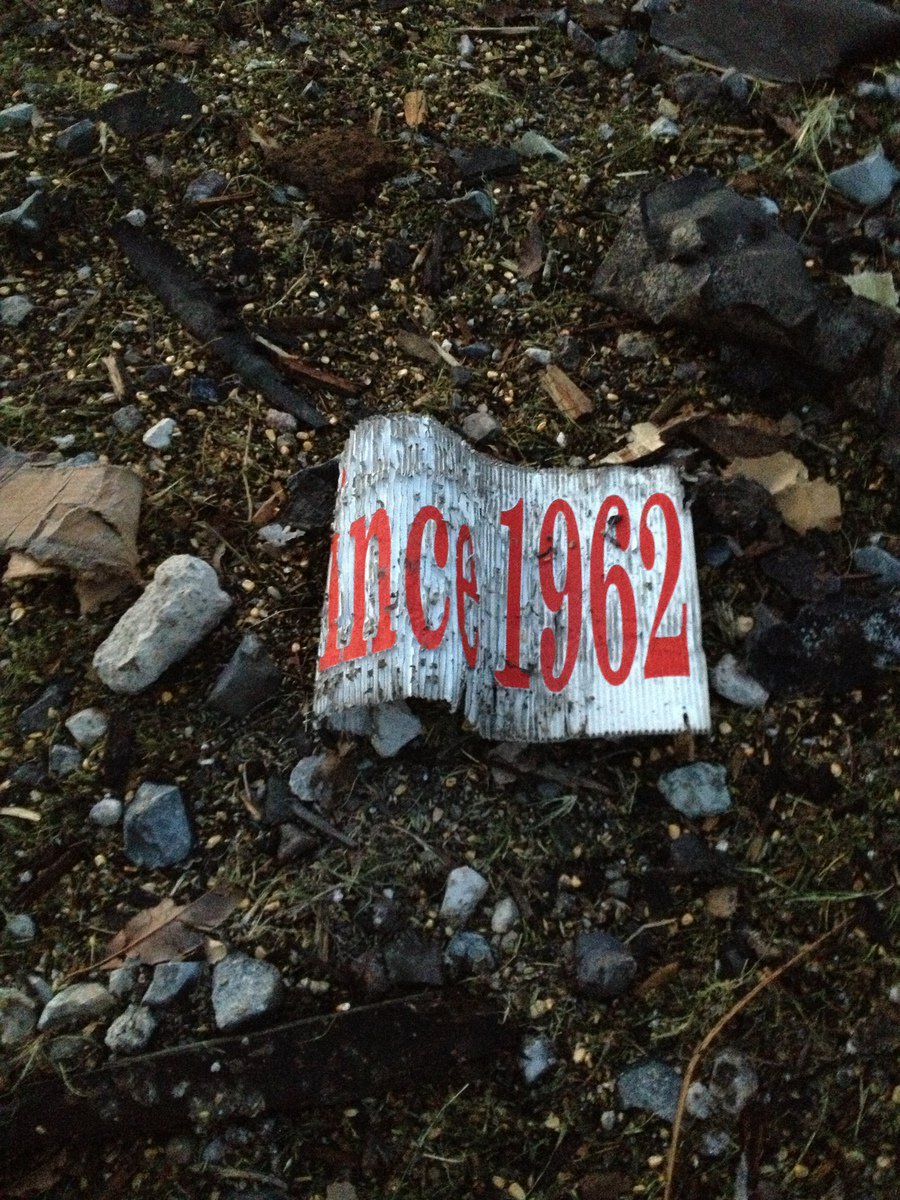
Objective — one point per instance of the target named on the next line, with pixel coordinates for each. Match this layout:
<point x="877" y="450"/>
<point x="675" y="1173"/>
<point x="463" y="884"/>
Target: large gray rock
<point x="464" y="891"/>
<point x="248" y="680"/>
<point x="76" y="1006"/>
<point x="18" y="1017"/>
<point x="394" y="725"/>
<point x="244" y="990"/>
<point x="604" y="967"/>
<point x="652" y="1087"/>
<point x="177" y="610"/>
<point x="131" y="1030"/>
<point x="156" y="827"/>
<point x="697" y="790"/>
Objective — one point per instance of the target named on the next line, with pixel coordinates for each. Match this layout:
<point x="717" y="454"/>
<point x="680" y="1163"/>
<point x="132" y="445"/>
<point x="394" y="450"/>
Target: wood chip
<point x="20" y="814"/>
<point x="531" y="255"/>
<point x="565" y="394"/>
<point x="415" y="108"/>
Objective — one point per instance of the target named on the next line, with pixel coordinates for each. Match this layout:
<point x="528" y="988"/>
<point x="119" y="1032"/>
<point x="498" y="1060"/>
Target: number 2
<point x="665" y="655"/>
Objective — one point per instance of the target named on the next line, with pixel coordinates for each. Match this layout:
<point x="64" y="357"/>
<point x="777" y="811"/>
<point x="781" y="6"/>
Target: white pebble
<point x="159" y="436"/>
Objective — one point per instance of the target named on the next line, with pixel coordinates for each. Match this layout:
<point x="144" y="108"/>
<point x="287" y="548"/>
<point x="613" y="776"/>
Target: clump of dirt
<point x="340" y="168"/>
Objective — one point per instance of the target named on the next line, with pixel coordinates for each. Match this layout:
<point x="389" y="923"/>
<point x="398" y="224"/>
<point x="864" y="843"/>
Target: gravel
<point x="157" y="831"/>
<point x="20" y="927"/>
<point x="88" y="727"/>
<point x="463" y="892"/>
<point x="733" y="683"/>
<point x="14" y="310"/>
<point x="537" y="1058"/>
<point x="868" y="182"/>
<point x="79" y="139"/>
<point x="248" y="680"/>
<point x="107" y="812"/>
<point x="18" y="1017"/>
<point x="604" y="967"/>
<point x="469" y="954"/>
<point x="696" y="790"/>
<point x="159" y="436"/>
<point x="131" y="1030"/>
<point x="652" y="1087"/>
<point x="171" y="981"/>
<point x="244" y="990"/>
<point x="76" y="1006"/>
<point x="64" y="760"/>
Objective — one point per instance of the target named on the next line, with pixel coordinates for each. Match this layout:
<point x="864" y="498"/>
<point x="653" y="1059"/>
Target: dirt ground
<point x="579" y="834"/>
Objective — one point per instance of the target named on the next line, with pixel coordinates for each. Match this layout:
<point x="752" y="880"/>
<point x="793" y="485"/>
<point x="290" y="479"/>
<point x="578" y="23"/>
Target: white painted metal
<point x="402" y="463"/>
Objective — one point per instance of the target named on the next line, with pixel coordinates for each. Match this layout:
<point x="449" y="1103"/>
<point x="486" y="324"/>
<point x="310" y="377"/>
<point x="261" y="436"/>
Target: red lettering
<point x="424" y="634"/>
<point x="665" y="655"/>
<point x="385" y="635"/>
<point x="601" y="582"/>
<point x="512" y="675"/>
<point x="466" y="586"/>
<point x="554" y="596"/>
<point x="331" y="655"/>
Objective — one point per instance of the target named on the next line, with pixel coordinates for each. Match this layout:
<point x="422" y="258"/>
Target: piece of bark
<point x="566" y="394"/>
<point x="334" y="1059"/>
<point x="187" y="297"/>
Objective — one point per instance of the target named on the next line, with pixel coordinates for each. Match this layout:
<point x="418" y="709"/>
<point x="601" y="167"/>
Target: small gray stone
<point x="68" y="1048"/>
<point x="107" y="813"/>
<point x="29" y="221"/>
<point x="64" y="760"/>
<point x="480" y="426"/>
<point x="696" y="790"/>
<point x="281" y="422"/>
<point x="736" y="87"/>
<point x="249" y="680"/>
<point x="310" y="780"/>
<point x="733" y="1082"/>
<point x="733" y="683"/>
<point x="136" y="217"/>
<point x="131" y="1030"/>
<point x="123" y="981"/>
<point x="664" y="127"/>
<point x="128" y="419"/>
<point x="463" y="892"/>
<point x="879" y="563"/>
<point x="604" y="967"/>
<point x="539" y="355"/>
<point x="177" y="610"/>
<point x="79" y="139"/>
<point x="14" y="310"/>
<point x="76" y="1006"/>
<point x="619" y="50"/>
<point x="244" y="990"/>
<point x="537" y="1058"/>
<point x="469" y="954"/>
<point x="652" y="1087"/>
<point x="39" y="715"/>
<point x="157" y="831"/>
<point x="170" y="981"/>
<point x="505" y="916"/>
<point x="21" y="928"/>
<point x="17" y="116"/>
<point x="18" y="1017"/>
<point x="159" y="436"/>
<point x="88" y="726"/>
<point x="534" y="145"/>
<point x="485" y="162"/>
<point x="637" y="346"/>
<point x="394" y="725"/>
<point x="868" y="182"/>
<point x="205" y="187"/>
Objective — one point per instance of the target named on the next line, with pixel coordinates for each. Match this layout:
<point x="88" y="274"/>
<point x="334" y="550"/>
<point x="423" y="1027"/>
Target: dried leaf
<point x="566" y="395"/>
<point x="210" y="910"/>
<point x="722" y="903"/>
<point x="643" y="440"/>
<point x="169" y="932"/>
<point x="425" y="349"/>
<point x="259" y="137"/>
<point x="20" y="814"/>
<point x="877" y="286"/>
<point x="774" y="472"/>
<point x="812" y="505"/>
<point x="531" y="255"/>
<point x="415" y="108"/>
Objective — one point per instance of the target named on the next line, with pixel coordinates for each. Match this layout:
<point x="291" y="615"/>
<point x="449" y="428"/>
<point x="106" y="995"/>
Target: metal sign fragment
<point x="545" y="604"/>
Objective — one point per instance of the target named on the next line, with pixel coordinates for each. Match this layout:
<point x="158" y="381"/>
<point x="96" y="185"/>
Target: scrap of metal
<point x="545" y="604"/>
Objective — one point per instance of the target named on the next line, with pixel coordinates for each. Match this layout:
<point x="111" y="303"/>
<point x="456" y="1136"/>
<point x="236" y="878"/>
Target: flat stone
<point x="14" y="310"/>
<point x="78" y="139"/>
<point x="868" y="182"/>
<point x="696" y="790"/>
<point x="107" y="812"/>
<point x="170" y="981"/>
<point x="18" y="1017"/>
<point x="159" y="436"/>
<point x="21" y="927"/>
<point x="76" y="1006"/>
<point x="17" y="116"/>
<point x="463" y="892"/>
<point x="469" y="954"/>
<point x="537" y="1058"/>
<point x="41" y="713"/>
<point x="733" y="683"/>
<point x="131" y="1030"/>
<point x="249" y="680"/>
<point x="29" y="221"/>
<point x="177" y="610"/>
<point x="604" y="967"/>
<point x="652" y="1087"/>
<point x="480" y="426"/>
<point x="244" y="990"/>
<point x="157" y="831"/>
<point x="64" y="760"/>
<point x="875" y="561"/>
<point x="412" y="961"/>
<point x="88" y="726"/>
<point x="128" y="419"/>
<point x="394" y="725"/>
<point x="619" y="50"/>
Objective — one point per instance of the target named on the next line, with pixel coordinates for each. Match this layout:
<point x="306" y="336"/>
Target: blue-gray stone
<point x="76" y="1006"/>
<point x="619" y="50"/>
<point x="875" y="561"/>
<point x="205" y="187"/>
<point x="79" y="139"/>
<point x="156" y="827"/>
<point x="17" y="116"/>
<point x="131" y="1030"/>
<point x="469" y="954"/>
<point x="64" y="760"/>
<point x="244" y="990"/>
<point x="30" y="220"/>
<point x="248" y="680"/>
<point x="604" y="967"/>
<point x="868" y="182"/>
<point x="21" y="927"/>
<point x="170" y="981"/>
<point x="653" y="1087"/>
<point x="39" y="715"/>
<point x="697" y="790"/>
<point x="14" y="310"/>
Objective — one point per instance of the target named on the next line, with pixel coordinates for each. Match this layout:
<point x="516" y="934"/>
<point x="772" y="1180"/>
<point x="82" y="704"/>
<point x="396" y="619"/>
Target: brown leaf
<point x="169" y="932"/>
<point x="531" y="254"/>
<point x="565" y="394"/>
<point x="415" y="108"/>
<point x="425" y="349"/>
<point x="210" y="910"/>
<point x="186" y="47"/>
<point x="658" y="978"/>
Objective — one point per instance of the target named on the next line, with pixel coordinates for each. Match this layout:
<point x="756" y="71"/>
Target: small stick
<point x="320" y="824"/>
<point x="498" y="30"/>
<point x="722" y="1023"/>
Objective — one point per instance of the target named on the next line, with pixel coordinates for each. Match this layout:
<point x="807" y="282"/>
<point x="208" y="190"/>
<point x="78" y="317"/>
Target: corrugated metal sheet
<point x="409" y="573"/>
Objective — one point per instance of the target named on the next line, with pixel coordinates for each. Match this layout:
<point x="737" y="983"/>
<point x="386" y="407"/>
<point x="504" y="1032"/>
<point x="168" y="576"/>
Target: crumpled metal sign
<point x="546" y="604"/>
